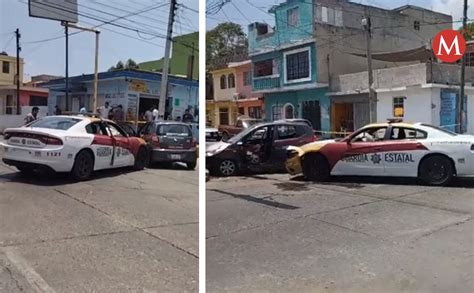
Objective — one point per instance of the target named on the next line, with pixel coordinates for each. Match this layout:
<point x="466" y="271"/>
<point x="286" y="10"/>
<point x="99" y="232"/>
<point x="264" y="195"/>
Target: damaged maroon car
<point x="261" y="148"/>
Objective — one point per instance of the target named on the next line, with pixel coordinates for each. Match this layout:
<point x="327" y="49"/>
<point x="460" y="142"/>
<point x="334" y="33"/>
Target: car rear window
<point x="173" y="130"/>
<point x="60" y="123"/>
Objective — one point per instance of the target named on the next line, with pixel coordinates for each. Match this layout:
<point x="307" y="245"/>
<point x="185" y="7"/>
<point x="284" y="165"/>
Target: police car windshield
<point x="440" y="129"/>
<point x="59" y="123"/>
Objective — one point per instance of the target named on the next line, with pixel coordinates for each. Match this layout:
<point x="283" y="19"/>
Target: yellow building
<point x="223" y="109"/>
<point x="8" y="69"/>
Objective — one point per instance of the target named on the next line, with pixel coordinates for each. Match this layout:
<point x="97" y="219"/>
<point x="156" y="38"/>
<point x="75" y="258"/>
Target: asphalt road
<point x="272" y="234"/>
<point x="122" y="231"/>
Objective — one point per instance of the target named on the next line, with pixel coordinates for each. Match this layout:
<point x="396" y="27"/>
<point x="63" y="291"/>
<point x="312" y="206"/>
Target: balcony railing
<point x="263" y="83"/>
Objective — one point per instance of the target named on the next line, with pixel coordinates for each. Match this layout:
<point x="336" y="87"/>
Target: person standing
<point x="104" y="111"/>
<point x="32" y="116"/>
<point x="187" y="117"/>
<point x="149" y="115"/>
<point x="57" y="110"/>
<point x="119" y="115"/>
<point x="156" y="114"/>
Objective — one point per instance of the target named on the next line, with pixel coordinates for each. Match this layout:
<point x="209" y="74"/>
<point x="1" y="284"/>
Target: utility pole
<point x="67" y="64"/>
<point x="96" y="60"/>
<point x="18" y="49"/>
<point x="463" y="74"/>
<point x="166" y="61"/>
<point x="366" y="22"/>
<point x="191" y="64"/>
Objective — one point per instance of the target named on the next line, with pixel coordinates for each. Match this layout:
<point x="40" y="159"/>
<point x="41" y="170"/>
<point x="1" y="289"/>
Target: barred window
<point x="297" y="66"/>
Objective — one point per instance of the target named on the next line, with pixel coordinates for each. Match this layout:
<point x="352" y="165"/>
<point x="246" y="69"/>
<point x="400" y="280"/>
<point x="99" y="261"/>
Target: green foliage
<point x="224" y="42"/>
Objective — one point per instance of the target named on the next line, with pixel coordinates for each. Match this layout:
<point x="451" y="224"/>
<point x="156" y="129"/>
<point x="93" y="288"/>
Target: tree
<point x="130" y="64"/>
<point x="470" y="31"/>
<point x="225" y="43"/>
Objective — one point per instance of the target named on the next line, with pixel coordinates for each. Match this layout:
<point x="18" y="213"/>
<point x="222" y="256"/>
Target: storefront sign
<point x="138" y="86"/>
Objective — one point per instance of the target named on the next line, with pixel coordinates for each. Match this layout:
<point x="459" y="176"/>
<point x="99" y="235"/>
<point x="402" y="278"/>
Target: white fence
<point x="7" y="121"/>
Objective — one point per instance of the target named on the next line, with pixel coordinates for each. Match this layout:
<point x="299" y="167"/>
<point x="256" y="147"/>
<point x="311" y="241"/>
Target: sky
<point x="48" y="57"/>
<point x="257" y="12"/>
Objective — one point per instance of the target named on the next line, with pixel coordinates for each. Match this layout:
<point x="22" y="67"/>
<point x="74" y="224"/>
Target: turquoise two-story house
<point x="284" y="65"/>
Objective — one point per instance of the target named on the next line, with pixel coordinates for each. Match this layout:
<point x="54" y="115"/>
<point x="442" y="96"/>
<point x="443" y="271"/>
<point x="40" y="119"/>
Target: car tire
<point x="225" y="137"/>
<point x="316" y="168"/>
<point x="83" y="165"/>
<point x="142" y="159"/>
<point x="436" y="170"/>
<point x="191" y="165"/>
<point x="227" y="168"/>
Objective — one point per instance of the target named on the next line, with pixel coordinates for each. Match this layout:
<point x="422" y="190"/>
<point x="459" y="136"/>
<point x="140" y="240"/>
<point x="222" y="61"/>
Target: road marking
<point x="31" y="276"/>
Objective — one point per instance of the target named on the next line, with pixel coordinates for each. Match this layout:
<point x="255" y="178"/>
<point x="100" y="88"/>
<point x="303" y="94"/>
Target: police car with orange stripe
<point x="76" y="144"/>
<point x="433" y="154"/>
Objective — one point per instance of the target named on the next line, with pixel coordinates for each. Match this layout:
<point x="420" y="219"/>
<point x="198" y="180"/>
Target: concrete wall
<point x="408" y="75"/>
<point x="7" y="121"/>
<point x="421" y="105"/>
<point x="392" y="31"/>
<point x="383" y="78"/>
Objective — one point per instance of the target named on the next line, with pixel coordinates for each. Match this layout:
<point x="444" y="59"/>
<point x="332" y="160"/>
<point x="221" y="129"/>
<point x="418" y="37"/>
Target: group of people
<point x="152" y="114"/>
<point x="115" y="114"/>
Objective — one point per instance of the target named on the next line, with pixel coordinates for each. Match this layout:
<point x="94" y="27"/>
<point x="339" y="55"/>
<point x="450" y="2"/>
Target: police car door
<point x="102" y="145"/>
<point x="403" y="151"/>
<point x="363" y="154"/>
<point x="122" y="155"/>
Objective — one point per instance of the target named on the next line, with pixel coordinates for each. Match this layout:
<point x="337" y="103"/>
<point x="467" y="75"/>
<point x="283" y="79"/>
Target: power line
<point x="109" y="22"/>
<point x="8" y="43"/>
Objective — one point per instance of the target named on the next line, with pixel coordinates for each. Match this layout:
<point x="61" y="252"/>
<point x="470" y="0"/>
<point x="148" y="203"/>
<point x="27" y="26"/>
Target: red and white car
<point x="76" y="144"/>
<point x="430" y="153"/>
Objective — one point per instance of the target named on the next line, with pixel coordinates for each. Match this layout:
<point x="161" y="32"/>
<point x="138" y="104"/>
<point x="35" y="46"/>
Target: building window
<point x="224" y="116"/>
<point x="416" y="25"/>
<point x="241" y="110"/>
<point x="298" y="66"/>
<point x="247" y="78"/>
<point x="398" y="106"/>
<point x="223" y="82"/>
<point x="265" y="68"/>
<point x="276" y="112"/>
<point x="231" y="81"/>
<point x="289" y="111"/>
<point x="330" y="16"/>
<point x="10" y="105"/>
<point x="293" y="17"/>
<point x="6" y="67"/>
<point x="255" y="112"/>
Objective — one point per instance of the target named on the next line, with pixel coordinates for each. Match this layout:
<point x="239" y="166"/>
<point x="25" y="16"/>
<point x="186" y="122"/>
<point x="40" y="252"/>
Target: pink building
<point x="248" y="103"/>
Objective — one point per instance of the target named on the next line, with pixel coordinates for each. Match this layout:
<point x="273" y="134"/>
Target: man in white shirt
<point x="104" y="111"/>
<point x="155" y="113"/>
